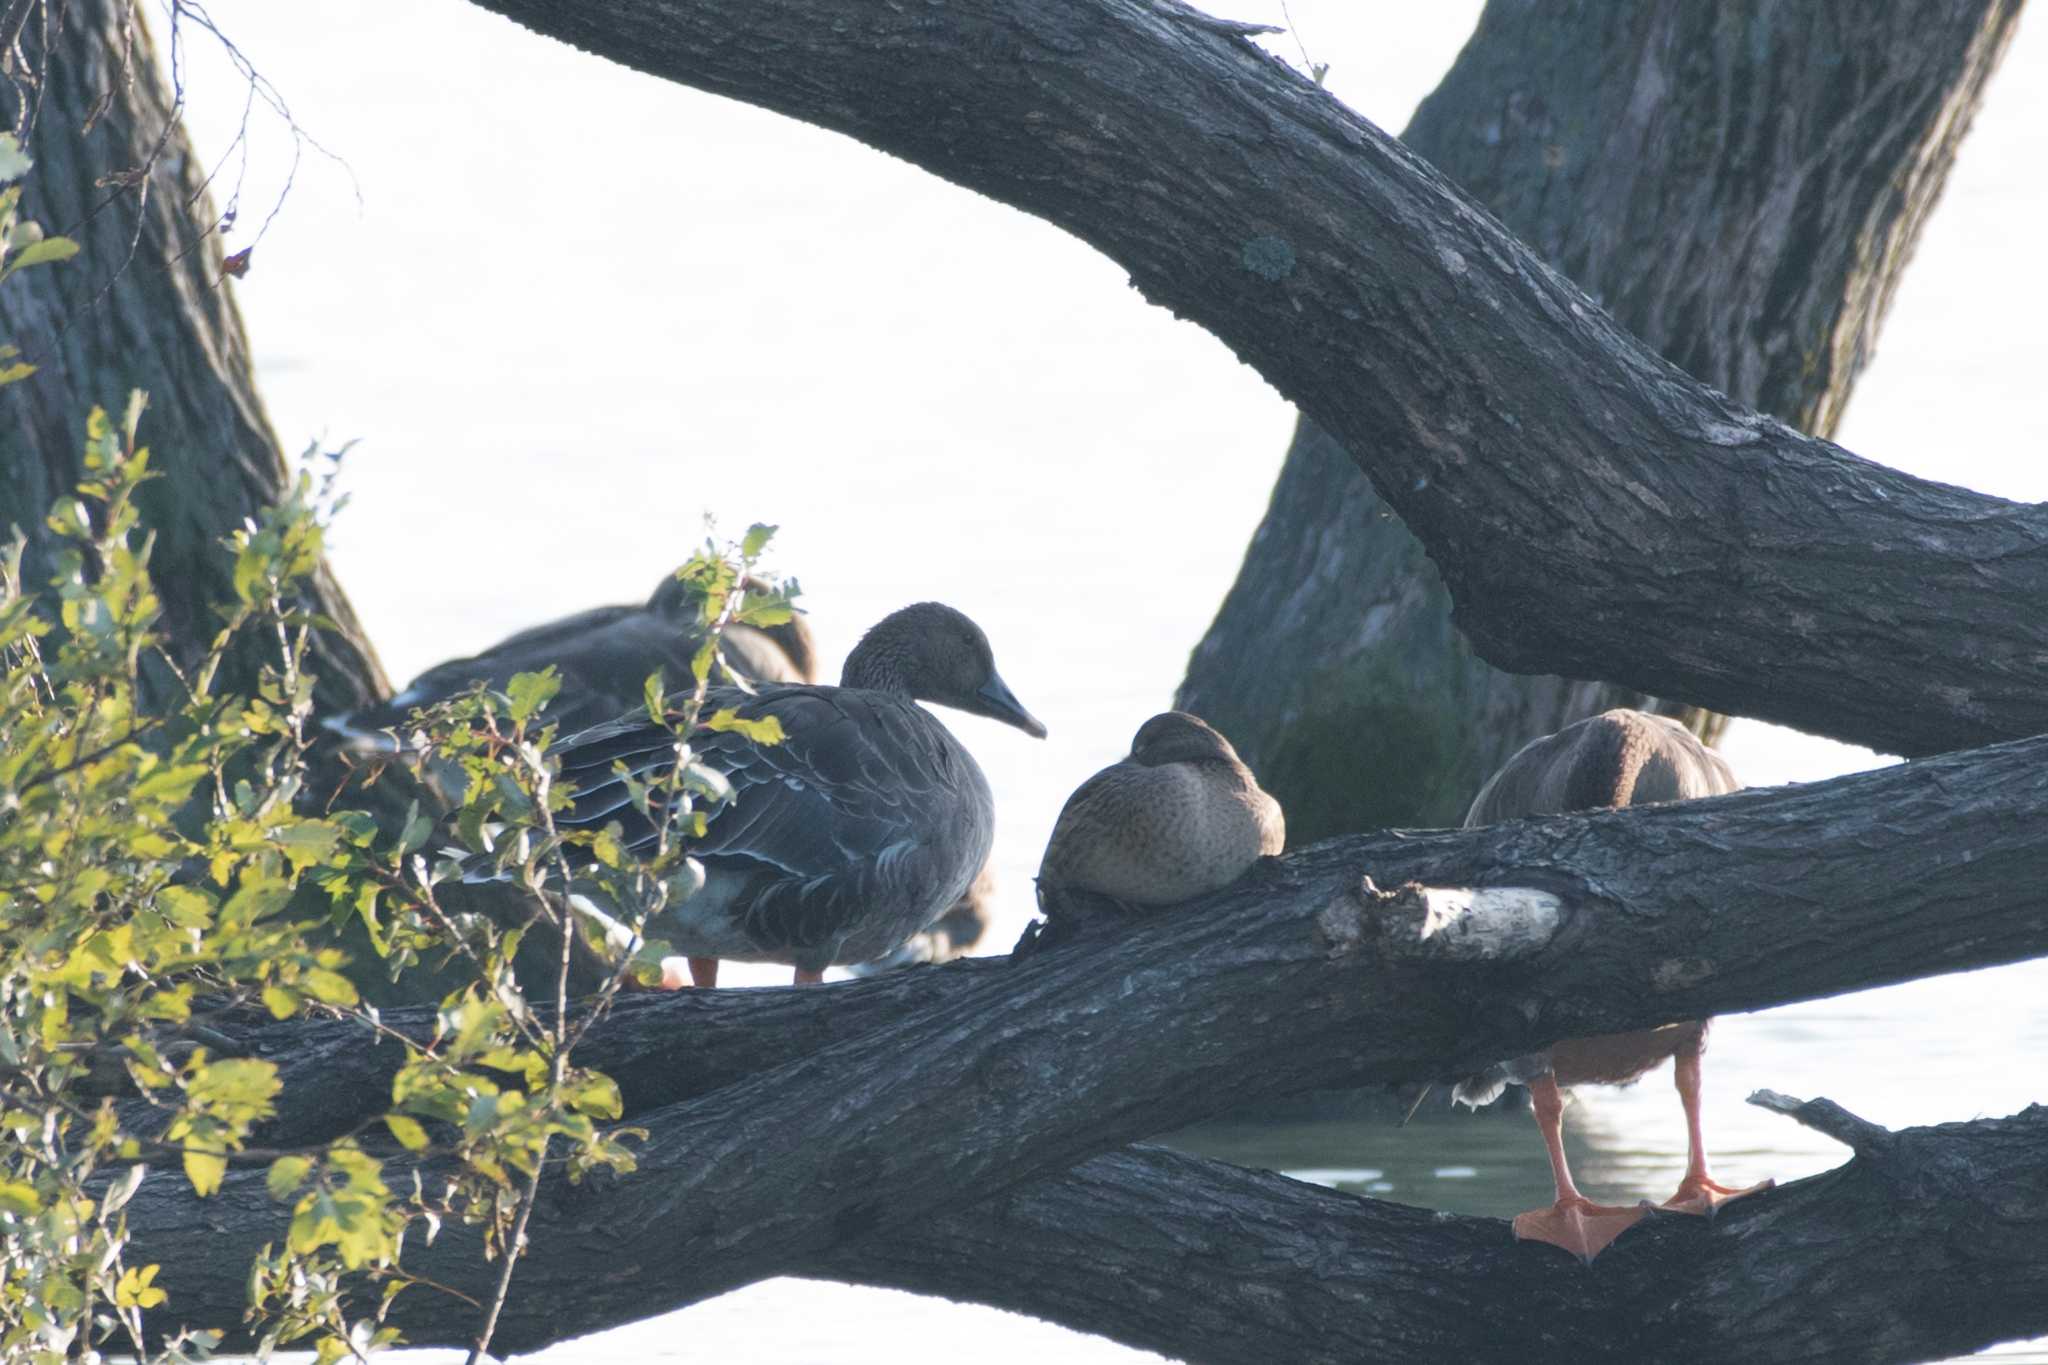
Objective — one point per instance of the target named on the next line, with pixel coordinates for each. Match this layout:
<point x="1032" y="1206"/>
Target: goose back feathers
<point x="604" y="656"/>
<point x="855" y="832"/>
<point x="1179" y="817"/>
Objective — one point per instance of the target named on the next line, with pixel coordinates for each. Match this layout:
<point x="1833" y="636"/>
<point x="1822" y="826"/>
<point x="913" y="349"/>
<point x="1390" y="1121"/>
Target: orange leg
<point x="1698" y="1192"/>
<point x="703" y="972"/>
<point x="807" y="978"/>
<point x="1574" y="1222"/>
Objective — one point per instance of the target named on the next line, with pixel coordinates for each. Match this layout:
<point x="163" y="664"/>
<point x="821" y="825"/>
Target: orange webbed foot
<point x="1579" y="1225"/>
<point x="1701" y="1196"/>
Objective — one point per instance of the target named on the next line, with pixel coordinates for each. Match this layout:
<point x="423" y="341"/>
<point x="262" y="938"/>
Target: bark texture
<point x="1740" y="186"/>
<point x="1236" y="1265"/>
<point x="143" y="306"/>
<point x="1595" y="512"/>
<point x="1304" y="974"/>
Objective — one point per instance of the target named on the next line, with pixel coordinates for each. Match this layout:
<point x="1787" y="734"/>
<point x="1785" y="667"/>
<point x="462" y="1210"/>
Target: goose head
<point x="1177" y="737"/>
<point x="930" y="652"/>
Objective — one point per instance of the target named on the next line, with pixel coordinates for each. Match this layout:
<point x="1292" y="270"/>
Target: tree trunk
<point x="1595" y="511"/>
<point x="797" y="1126"/>
<point x="1740" y="186"/>
<point x="143" y="306"/>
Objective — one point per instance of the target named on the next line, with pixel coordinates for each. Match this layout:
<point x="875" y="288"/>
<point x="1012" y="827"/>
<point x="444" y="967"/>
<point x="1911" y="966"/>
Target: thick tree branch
<point x="1739" y="185"/>
<point x="1301" y="975"/>
<point x="1942" y="1230"/>
<point x="1595" y="512"/>
<point x="1946" y="1229"/>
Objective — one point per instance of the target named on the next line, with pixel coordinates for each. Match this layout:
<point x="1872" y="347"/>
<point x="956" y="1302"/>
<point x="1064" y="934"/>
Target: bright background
<point x="565" y="310"/>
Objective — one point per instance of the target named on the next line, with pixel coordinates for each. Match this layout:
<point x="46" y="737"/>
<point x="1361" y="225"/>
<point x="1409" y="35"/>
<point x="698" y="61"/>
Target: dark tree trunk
<point x="143" y="306"/>
<point x="1595" y="511"/>
<point x="793" y="1127"/>
<point x="1740" y="186"/>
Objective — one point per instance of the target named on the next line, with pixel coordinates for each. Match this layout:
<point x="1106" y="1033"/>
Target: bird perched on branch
<point x="1180" y="817"/>
<point x="1618" y="758"/>
<point x="953" y="934"/>
<point x="854" y="832"/>
<point x="604" y="657"/>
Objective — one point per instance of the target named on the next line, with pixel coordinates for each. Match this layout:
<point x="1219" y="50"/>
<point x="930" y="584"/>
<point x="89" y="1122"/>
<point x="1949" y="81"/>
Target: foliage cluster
<point x="162" y="870"/>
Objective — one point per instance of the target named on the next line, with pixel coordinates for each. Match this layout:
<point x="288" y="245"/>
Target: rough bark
<point x="1301" y="975"/>
<point x="1595" y="512"/>
<point x="1944" y="1228"/>
<point x="143" y="306"/>
<point x="1740" y="185"/>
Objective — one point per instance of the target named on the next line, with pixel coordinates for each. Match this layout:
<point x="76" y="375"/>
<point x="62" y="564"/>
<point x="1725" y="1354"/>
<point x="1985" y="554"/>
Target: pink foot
<point x="1577" y="1224"/>
<point x="1699" y="1195"/>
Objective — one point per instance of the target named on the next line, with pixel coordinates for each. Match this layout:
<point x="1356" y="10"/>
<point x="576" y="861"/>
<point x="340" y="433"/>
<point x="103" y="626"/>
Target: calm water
<point x="573" y="309"/>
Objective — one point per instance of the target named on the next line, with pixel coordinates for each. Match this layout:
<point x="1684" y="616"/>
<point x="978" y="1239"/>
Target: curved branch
<point x="1301" y="975"/>
<point x="1721" y="179"/>
<point x="1594" y="511"/>
<point x="1205" y="1261"/>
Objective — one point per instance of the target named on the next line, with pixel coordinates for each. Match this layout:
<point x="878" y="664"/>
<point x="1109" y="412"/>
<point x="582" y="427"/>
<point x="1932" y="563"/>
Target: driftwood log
<point x="796" y="1131"/>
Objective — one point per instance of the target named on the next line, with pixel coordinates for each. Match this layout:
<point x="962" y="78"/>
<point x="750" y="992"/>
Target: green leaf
<point x="407" y="1131"/>
<point x="287" y="1173"/>
<point x="19" y="1197"/>
<point x="188" y="907"/>
<point x="281" y="1003"/>
<point x="654" y="694"/>
<point x="756" y="540"/>
<point x="205" y="1170"/>
<point x="14" y="162"/>
<point x="529" y="692"/>
<point x="133" y="1289"/>
<point x="329" y="988"/>
<point x="43" y="252"/>
<point x="766" y="730"/>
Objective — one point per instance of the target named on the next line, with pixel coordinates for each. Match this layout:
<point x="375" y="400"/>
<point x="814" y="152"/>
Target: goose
<point x="855" y="832"/>
<point x="1617" y="758"/>
<point x="953" y="934"/>
<point x="1179" y="817"/>
<point x="604" y="656"/>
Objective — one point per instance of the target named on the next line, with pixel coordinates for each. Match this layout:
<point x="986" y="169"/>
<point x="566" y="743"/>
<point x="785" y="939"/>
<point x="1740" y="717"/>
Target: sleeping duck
<point x="1180" y="817"/>
<point x="604" y="656"/>
<point x="1619" y="758"/>
<point x="854" y="833"/>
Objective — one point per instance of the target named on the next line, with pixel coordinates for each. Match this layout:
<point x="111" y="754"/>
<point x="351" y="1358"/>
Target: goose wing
<point x="867" y="808"/>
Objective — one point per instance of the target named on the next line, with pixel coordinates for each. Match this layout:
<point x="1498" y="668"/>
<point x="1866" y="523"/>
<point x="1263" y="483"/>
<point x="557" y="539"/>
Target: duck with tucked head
<point x="857" y="831"/>
<point x="1180" y="817"/>
<point x="1618" y="758"/>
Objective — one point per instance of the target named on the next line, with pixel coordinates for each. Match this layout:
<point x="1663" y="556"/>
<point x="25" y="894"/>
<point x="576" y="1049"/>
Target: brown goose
<point x="1618" y="758"/>
<point x="855" y="832"/>
<point x="604" y="656"/>
<point x="1181" y="816"/>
